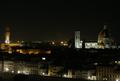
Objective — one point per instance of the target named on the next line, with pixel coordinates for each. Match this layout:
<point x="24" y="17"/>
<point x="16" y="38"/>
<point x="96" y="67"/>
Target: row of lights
<point x="61" y="43"/>
<point x="21" y="72"/>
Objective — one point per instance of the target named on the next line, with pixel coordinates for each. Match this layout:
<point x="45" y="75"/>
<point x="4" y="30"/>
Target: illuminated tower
<point x="77" y="39"/>
<point x="7" y="35"/>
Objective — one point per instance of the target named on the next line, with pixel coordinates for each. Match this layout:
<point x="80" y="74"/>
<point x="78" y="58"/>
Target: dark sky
<point x="49" y="20"/>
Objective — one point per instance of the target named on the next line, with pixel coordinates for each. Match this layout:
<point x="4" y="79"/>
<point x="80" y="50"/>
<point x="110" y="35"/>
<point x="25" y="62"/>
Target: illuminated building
<point x="69" y="74"/>
<point x="104" y="41"/>
<point x="53" y="70"/>
<point x="104" y="38"/>
<point x="22" y="67"/>
<point x="91" y="45"/>
<point x="77" y="39"/>
<point x="84" y="74"/>
<point x="7" y="45"/>
<point x="32" y="51"/>
<point x="108" y="73"/>
<point x="7" y="35"/>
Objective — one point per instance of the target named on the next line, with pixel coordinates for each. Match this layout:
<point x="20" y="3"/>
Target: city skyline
<point x="72" y="35"/>
<point x="57" y="19"/>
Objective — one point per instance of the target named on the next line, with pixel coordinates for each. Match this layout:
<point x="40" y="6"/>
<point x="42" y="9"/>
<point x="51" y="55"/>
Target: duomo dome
<point x="104" y="38"/>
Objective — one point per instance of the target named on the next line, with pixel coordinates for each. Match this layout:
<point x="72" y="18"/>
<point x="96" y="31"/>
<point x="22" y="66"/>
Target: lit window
<point x="43" y="58"/>
<point x="43" y="73"/>
<point x="12" y="71"/>
<point x="115" y="61"/>
<point x="61" y="42"/>
<point x="6" y="69"/>
<point x="65" y="75"/>
<point x="117" y="79"/>
<point x="18" y="72"/>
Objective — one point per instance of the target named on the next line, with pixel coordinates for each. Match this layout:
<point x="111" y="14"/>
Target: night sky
<point x="57" y="20"/>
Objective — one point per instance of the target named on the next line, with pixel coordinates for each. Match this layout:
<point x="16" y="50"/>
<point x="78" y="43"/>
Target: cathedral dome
<point x="104" y="37"/>
<point x="104" y="33"/>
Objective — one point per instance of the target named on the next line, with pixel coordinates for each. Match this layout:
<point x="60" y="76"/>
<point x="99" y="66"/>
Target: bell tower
<point x="7" y="35"/>
<point x="77" y="39"/>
